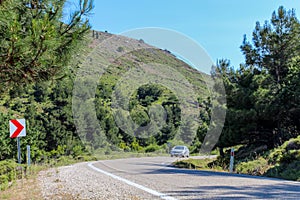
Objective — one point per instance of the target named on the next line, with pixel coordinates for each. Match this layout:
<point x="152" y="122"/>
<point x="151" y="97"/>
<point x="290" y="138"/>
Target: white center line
<point x="153" y="192"/>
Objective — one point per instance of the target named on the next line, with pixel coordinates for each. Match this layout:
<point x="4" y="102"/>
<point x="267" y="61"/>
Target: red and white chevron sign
<point x="17" y="128"/>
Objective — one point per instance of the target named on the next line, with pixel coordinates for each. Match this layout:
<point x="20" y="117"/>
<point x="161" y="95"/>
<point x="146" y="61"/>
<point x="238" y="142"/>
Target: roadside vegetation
<point x="263" y="104"/>
<point x="282" y="162"/>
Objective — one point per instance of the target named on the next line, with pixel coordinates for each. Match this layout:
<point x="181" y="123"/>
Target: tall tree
<point x="262" y="95"/>
<point x="274" y="46"/>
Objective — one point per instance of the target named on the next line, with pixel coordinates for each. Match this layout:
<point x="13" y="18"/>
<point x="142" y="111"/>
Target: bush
<point x="286" y="153"/>
<point x="253" y="167"/>
<point x="222" y="162"/>
<point x="120" y="49"/>
<point x="152" y="148"/>
<point x="250" y="151"/>
<point x="63" y="160"/>
<point x="86" y="158"/>
<point x="135" y="146"/>
<point x="292" y="144"/>
<point x="7" y="172"/>
<point x="289" y="171"/>
<point x="185" y="164"/>
<point x="196" y="164"/>
<point x="77" y="150"/>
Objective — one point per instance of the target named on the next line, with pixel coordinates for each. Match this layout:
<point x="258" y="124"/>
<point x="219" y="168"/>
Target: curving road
<point x="155" y="178"/>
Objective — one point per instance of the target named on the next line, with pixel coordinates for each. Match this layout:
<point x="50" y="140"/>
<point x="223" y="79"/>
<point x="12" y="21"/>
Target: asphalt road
<point x="157" y="179"/>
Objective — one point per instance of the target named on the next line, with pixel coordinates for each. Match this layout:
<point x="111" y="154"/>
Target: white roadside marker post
<point x="231" y="160"/>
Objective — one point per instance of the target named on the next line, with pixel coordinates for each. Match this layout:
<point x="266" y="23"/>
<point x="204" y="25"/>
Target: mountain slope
<point x="120" y="69"/>
<point x="117" y="93"/>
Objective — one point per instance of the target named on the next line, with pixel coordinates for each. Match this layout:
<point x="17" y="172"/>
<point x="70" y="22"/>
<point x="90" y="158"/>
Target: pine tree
<point x="36" y="40"/>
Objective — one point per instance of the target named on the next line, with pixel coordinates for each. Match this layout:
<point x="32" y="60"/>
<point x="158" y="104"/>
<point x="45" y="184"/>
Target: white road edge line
<point x="153" y="192"/>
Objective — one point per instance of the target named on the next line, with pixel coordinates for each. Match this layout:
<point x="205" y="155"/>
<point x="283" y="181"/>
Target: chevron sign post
<point x="17" y="129"/>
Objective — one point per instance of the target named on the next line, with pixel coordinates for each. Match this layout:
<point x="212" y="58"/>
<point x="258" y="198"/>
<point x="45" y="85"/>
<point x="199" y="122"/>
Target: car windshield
<point x="179" y="147"/>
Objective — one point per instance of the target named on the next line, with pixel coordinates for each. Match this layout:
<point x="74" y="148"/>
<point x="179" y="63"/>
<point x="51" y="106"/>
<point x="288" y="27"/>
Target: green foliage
<point x="200" y="164"/>
<point x="254" y="167"/>
<point x="290" y="171"/>
<point x="142" y="100"/>
<point x="35" y="43"/>
<point x="135" y="146"/>
<point x="120" y="49"/>
<point x="262" y="108"/>
<point x="281" y="162"/>
<point x="286" y="153"/>
<point x="147" y="94"/>
<point x="205" y="117"/>
<point x="221" y="161"/>
<point x="7" y="172"/>
<point x="51" y="133"/>
<point x="77" y="151"/>
<point x="152" y="148"/>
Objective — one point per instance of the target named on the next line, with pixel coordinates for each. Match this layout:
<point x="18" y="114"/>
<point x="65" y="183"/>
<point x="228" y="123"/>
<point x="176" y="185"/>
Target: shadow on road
<point x="252" y="192"/>
<point x="260" y="191"/>
<point x="170" y="169"/>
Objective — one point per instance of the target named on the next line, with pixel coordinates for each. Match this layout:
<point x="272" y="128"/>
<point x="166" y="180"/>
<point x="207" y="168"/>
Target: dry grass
<point x="24" y="189"/>
<point x="29" y="189"/>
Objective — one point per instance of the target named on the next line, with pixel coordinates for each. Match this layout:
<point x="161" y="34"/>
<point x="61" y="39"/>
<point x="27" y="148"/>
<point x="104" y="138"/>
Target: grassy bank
<point x="281" y="162"/>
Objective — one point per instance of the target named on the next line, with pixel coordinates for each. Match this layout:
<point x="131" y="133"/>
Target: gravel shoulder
<point x="78" y="181"/>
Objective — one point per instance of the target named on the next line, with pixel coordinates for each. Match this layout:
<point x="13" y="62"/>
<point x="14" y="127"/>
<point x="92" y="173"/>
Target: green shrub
<point x="196" y="164"/>
<point x="63" y="160"/>
<point x="3" y="182"/>
<point x="122" y="145"/>
<point x="292" y="144"/>
<point x="77" y="150"/>
<point x="135" y="146"/>
<point x="286" y="153"/>
<point x="290" y="156"/>
<point x="185" y="164"/>
<point x="120" y="49"/>
<point x="276" y="155"/>
<point x="290" y="171"/>
<point x="222" y="162"/>
<point x="7" y="172"/>
<point x="152" y="148"/>
<point x="253" y="167"/>
<point x="86" y="158"/>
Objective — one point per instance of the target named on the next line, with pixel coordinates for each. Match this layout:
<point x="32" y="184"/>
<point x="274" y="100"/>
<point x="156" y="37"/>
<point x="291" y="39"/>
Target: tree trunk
<point x="221" y="152"/>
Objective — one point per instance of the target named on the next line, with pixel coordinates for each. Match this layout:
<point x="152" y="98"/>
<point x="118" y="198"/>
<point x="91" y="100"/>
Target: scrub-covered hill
<point x="110" y="79"/>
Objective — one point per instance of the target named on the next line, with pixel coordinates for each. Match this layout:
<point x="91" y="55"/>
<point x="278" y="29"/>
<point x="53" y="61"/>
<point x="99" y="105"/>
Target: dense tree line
<point x="37" y="44"/>
<point x="263" y="96"/>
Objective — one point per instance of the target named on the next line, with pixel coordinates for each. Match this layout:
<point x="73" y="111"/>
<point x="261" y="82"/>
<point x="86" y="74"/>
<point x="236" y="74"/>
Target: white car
<point x="180" y="151"/>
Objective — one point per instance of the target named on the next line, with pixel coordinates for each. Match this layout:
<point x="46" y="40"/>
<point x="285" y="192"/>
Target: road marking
<point x="153" y="192"/>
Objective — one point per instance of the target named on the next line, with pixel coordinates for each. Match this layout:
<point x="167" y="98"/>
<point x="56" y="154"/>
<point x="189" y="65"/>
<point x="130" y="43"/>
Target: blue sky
<point x="217" y="25"/>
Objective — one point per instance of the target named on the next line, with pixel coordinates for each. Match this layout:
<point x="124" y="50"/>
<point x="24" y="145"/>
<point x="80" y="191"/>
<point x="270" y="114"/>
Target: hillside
<point x="134" y="78"/>
<point x="105" y="73"/>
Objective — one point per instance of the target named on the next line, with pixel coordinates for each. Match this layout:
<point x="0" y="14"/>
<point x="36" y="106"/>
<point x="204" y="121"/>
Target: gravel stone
<point x="78" y="181"/>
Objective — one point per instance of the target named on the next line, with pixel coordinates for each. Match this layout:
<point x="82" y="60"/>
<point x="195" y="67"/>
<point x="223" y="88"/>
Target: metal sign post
<point x="28" y="155"/>
<point x="19" y="149"/>
<point x="231" y="160"/>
